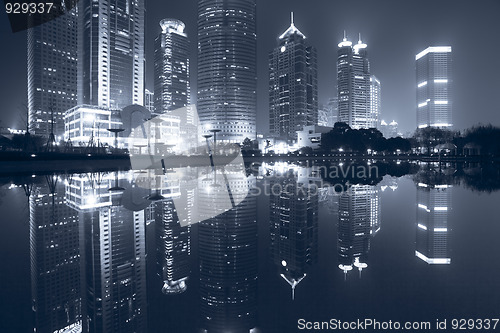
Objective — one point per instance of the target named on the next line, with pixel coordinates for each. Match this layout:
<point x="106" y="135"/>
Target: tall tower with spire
<point x="353" y="82"/>
<point x="293" y="84"/>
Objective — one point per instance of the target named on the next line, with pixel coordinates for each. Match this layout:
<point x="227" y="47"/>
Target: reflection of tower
<point x="359" y="217"/>
<point x="293" y="226"/>
<point x="173" y="248"/>
<point x="55" y="260"/>
<point x="113" y="256"/>
<point x="228" y="263"/>
<point x="434" y="202"/>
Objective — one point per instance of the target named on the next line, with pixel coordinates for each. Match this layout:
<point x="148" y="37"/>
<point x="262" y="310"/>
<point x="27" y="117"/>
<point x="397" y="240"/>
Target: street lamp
<point x="116" y="131"/>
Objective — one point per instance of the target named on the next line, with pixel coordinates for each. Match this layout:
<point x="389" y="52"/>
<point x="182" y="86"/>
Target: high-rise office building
<point x="433" y="211"/>
<point x="434" y="79"/>
<point x="111" y="53"/>
<point x="375" y="101"/>
<point x="354" y="86"/>
<point x="171" y="74"/>
<point x="227" y="68"/>
<point x="293" y="85"/>
<point x="52" y="73"/>
<point x="55" y="260"/>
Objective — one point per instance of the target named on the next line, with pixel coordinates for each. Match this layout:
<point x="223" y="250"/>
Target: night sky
<point x="395" y="30"/>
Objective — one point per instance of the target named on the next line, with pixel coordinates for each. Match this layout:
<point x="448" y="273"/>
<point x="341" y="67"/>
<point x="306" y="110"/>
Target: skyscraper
<point x="434" y="103"/>
<point x="375" y="101"/>
<point x="111" y="53"/>
<point x="293" y="85"/>
<point x="171" y="82"/>
<point x="227" y="68"/>
<point x="353" y="85"/>
<point x="52" y="72"/>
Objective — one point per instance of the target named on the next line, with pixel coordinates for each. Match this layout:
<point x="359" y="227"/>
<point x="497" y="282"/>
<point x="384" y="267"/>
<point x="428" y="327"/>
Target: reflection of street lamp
<point x="116" y="131"/>
<point x="208" y="136"/>
<point x="215" y="131"/>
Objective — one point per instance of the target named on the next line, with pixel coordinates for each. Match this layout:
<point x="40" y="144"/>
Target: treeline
<point x="484" y="139"/>
<point x="343" y="137"/>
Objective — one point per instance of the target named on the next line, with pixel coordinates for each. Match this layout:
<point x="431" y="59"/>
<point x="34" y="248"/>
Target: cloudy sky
<point x="395" y="30"/>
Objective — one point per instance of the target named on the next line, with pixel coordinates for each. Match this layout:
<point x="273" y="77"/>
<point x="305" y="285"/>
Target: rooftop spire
<point x="359" y="40"/>
<point x="292" y="29"/>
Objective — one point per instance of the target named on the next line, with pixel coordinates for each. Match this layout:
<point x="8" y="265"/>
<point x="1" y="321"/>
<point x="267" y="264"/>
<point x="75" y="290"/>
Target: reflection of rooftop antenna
<point x="291" y="14"/>
<point x="345" y="35"/>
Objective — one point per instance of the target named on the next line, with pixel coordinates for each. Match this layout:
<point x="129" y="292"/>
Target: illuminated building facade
<point x="434" y="79"/>
<point x="52" y="73"/>
<point x="55" y="260"/>
<point x="227" y="68"/>
<point x="375" y="101"/>
<point x="111" y="53"/>
<point x="171" y="81"/>
<point x="149" y="100"/>
<point x="433" y="211"/>
<point x="293" y="80"/>
<point x="354" y="86"/>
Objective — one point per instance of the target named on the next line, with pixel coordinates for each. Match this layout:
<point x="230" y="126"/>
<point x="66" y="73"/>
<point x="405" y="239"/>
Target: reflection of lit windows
<point x="422" y="84"/>
<point x="421" y="226"/>
<point x="433" y="261"/>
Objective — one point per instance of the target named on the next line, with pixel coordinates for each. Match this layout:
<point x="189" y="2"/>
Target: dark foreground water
<point x="98" y="253"/>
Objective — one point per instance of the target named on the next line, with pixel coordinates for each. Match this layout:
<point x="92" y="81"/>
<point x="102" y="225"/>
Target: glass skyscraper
<point x="293" y="85"/>
<point x="353" y="85"/>
<point x="111" y="53"/>
<point x="434" y="104"/>
<point x="227" y="68"/>
<point x="52" y="72"/>
<point x="171" y="82"/>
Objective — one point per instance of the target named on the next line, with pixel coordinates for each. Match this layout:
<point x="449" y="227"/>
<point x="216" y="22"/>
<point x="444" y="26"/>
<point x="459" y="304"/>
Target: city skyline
<point x="397" y="75"/>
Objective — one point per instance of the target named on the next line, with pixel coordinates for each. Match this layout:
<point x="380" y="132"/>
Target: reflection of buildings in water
<point x="228" y="255"/>
<point x="294" y="225"/>
<point x="113" y="256"/>
<point x="173" y="244"/>
<point x="391" y="183"/>
<point x="433" y="207"/>
<point x="55" y="260"/>
<point x="359" y="220"/>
